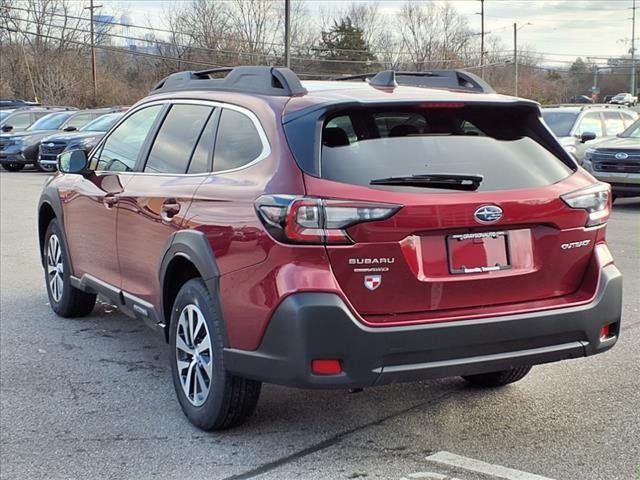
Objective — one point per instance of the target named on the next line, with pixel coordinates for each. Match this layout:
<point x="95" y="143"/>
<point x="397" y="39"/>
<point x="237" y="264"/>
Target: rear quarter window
<point x="238" y="142"/>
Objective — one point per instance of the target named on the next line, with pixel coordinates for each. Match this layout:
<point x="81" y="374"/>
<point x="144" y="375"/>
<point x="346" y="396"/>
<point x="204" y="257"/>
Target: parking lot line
<point x="478" y="466"/>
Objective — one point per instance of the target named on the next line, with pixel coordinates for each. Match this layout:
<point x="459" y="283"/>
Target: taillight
<point x="594" y="199"/>
<point x="311" y="220"/>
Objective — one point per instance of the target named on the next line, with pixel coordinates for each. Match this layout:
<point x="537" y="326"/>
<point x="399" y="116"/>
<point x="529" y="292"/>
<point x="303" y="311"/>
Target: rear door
<point x="449" y="250"/>
<point x="154" y="203"/>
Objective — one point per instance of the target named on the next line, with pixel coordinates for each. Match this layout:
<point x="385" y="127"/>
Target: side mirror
<point x="73" y="161"/>
<point x="70" y="129"/>
<point x="7" y="128"/>
<point x="587" y="136"/>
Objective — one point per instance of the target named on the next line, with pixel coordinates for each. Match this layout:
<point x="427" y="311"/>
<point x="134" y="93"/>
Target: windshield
<point x="102" y="124"/>
<point x="620" y="96"/>
<point x="501" y="145"/>
<point x="50" y="122"/>
<point x="560" y="123"/>
<point x="633" y="131"/>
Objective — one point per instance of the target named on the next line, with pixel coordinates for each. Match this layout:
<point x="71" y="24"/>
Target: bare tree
<point x="257" y="25"/>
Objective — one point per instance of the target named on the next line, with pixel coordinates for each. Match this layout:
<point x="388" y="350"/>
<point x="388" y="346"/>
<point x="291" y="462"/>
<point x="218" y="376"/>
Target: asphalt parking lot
<point x="93" y="398"/>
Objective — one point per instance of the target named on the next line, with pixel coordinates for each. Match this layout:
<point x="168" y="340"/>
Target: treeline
<point x="45" y="48"/>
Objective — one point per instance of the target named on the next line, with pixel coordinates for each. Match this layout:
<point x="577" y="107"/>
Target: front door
<point x="90" y="207"/>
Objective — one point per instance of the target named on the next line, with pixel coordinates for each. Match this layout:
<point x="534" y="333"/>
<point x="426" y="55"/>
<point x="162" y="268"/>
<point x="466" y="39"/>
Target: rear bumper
<point x="309" y="326"/>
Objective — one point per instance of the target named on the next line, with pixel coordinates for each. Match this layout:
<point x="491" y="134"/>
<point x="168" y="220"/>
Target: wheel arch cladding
<point x="187" y="255"/>
<point x="49" y="207"/>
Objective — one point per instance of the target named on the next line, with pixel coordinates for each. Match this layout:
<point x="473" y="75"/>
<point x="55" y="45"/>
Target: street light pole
<point x="633" y="49"/>
<point x="515" y="59"/>
<point x="482" y="38"/>
<point x="515" y="55"/>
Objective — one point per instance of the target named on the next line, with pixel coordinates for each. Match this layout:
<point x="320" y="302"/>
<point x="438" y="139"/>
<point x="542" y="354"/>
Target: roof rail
<point x="587" y="106"/>
<point x="44" y="107"/>
<point x="274" y="81"/>
<point x="450" y="79"/>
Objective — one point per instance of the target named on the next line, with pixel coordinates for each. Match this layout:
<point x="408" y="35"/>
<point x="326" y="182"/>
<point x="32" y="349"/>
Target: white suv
<point x="579" y="127"/>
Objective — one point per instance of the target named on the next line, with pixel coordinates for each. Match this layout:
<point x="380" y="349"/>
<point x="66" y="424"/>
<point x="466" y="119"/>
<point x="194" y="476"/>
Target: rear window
<point x="502" y="145"/>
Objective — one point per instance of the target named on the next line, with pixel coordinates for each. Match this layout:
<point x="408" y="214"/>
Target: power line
<point x="227" y="52"/>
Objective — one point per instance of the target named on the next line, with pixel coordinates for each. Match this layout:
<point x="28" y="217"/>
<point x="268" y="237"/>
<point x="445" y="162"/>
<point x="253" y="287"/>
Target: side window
<point x="176" y="138"/>
<point x="22" y="120"/>
<point x="590" y="123"/>
<point x="334" y="136"/>
<point x="400" y="124"/>
<point x="201" y="158"/>
<point x="79" y="120"/>
<point x="121" y="149"/>
<point x="237" y="141"/>
<point x="613" y="123"/>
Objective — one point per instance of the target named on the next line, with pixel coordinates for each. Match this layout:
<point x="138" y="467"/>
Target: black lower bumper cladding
<point x="309" y="326"/>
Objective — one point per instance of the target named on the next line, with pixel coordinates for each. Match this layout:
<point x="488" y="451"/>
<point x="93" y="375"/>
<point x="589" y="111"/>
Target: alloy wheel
<point x="194" y="355"/>
<point x="55" y="268"/>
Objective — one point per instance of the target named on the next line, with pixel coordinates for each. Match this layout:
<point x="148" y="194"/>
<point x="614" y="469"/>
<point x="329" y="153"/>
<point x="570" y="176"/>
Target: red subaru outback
<point x="334" y="234"/>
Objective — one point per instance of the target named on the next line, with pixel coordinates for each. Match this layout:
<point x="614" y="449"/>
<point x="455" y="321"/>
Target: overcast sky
<point x="562" y="29"/>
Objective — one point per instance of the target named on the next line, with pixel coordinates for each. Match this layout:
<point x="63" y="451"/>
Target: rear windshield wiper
<point x="434" y="180"/>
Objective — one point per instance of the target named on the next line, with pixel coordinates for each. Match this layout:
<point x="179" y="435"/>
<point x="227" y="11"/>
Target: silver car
<point x="617" y="162"/>
<point x="579" y="127"/>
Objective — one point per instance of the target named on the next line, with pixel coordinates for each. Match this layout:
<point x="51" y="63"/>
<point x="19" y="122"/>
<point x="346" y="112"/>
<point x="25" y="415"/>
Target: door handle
<point x="169" y="209"/>
<point x="110" y="200"/>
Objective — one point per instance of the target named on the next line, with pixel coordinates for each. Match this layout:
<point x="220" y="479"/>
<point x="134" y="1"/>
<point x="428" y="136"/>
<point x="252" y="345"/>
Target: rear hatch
<point x="478" y="217"/>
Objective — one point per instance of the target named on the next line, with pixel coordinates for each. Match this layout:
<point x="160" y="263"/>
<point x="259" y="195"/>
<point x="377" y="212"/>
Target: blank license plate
<point x="478" y="252"/>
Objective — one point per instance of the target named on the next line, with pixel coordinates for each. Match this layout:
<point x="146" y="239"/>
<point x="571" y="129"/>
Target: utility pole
<point x="287" y="33"/>
<point x="482" y="38"/>
<point x="91" y="8"/>
<point x="633" y="49"/>
<point x="515" y="59"/>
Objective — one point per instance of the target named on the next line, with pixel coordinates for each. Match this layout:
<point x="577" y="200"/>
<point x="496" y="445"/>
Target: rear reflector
<point x="605" y="332"/>
<point x="326" y="367"/>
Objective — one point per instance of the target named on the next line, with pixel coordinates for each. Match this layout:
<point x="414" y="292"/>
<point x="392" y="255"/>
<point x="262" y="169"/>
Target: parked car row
<point x="25" y="129"/>
<point x="624" y="99"/>
<point x="604" y="139"/>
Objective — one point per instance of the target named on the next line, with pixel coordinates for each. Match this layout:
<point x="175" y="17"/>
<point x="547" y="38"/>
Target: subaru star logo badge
<point x="372" y="281"/>
<point x="488" y="214"/>
<point x="51" y="145"/>
<point x="621" y="156"/>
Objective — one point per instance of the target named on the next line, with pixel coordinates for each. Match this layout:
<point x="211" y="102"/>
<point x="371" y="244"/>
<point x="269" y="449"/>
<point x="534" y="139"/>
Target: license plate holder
<point x="478" y="252"/>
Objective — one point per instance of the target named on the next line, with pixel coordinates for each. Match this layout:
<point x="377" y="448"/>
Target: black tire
<point x="13" y="167"/>
<point x="230" y="399"/>
<point x="498" y="379"/>
<point x="70" y="302"/>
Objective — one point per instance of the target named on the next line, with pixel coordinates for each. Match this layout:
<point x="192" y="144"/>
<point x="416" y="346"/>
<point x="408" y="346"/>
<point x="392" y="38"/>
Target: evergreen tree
<point x="345" y="43"/>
